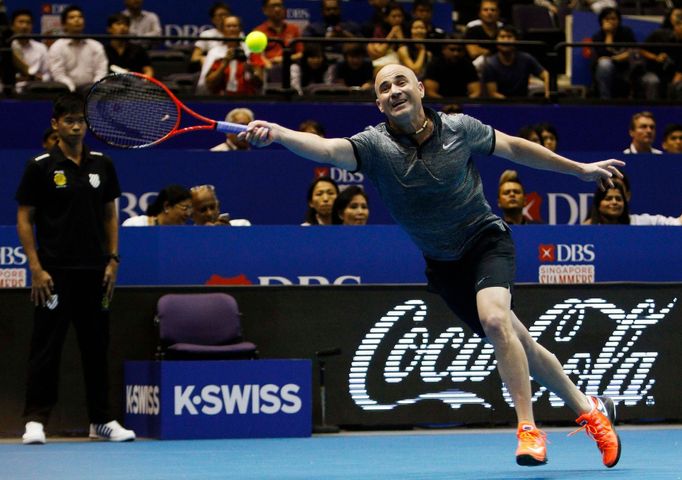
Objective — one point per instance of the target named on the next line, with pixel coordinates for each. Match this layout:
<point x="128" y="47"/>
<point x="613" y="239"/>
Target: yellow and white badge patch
<point x="59" y="178"/>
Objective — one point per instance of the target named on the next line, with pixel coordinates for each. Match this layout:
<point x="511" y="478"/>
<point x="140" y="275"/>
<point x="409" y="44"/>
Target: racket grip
<point x="229" y="127"/>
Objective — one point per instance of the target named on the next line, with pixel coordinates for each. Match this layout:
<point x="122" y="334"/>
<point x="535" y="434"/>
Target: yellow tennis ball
<point x="256" y="41"/>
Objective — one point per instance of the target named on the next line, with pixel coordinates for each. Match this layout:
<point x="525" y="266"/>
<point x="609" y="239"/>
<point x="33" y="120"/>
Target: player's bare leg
<point x="493" y="305"/>
<point x="546" y="370"/>
<point x="595" y="414"/>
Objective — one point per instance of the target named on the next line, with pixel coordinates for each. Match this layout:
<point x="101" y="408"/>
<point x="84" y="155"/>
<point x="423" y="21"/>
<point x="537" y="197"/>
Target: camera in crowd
<point x="239" y="54"/>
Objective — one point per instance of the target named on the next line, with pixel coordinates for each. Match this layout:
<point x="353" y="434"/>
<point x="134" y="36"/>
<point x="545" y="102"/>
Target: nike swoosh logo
<point x="537" y="450"/>
<point x="482" y="280"/>
<point x="448" y="145"/>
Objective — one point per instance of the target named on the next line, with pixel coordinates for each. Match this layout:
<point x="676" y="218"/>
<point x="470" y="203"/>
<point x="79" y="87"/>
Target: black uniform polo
<point x="69" y="205"/>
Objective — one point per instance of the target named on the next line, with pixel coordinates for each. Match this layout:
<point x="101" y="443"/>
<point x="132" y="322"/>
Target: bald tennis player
<point x="421" y="163"/>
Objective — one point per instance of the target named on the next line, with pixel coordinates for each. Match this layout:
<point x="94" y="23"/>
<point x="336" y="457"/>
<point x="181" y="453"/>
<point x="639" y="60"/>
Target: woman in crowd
<point x="312" y="68"/>
<point x="548" y="136"/>
<point x="173" y="206"/>
<point x="612" y="64"/>
<point x="610" y="207"/>
<point x="321" y="195"/>
<point x="383" y="54"/>
<point x="351" y="207"/>
<point x="415" y="56"/>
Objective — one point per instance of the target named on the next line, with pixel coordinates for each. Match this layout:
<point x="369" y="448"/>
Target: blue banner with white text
<point x="379" y="254"/>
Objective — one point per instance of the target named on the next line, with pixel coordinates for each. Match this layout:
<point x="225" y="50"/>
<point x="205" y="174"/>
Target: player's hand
<point x="42" y="287"/>
<point x="602" y="172"/>
<point x="109" y="280"/>
<point x="259" y="133"/>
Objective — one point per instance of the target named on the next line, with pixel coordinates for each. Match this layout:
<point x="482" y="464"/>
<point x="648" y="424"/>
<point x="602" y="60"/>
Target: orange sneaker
<point x="532" y="449"/>
<point x="599" y="425"/>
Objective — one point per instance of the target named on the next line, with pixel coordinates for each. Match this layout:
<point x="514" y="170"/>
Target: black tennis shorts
<point x="490" y="262"/>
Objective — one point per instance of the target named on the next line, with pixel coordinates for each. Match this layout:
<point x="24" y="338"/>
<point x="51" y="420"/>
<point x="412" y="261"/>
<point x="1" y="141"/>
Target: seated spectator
<point x="611" y="65"/>
<point x="312" y="126"/>
<point x="549" y="138"/>
<point x="451" y="74"/>
<point x="506" y="74"/>
<point x="511" y="198"/>
<point x="125" y="56"/>
<point x="142" y="22"/>
<point x="242" y="116"/>
<point x="529" y="132"/>
<point x="172" y="206"/>
<point x="646" y="219"/>
<point x="423" y="10"/>
<point x="351" y="207"/>
<point x="321" y="195"/>
<point x="312" y="68"/>
<point x="355" y="70"/>
<point x="610" y="207"/>
<point x="415" y="56"/>
<point x="236" y="73"/>
<point x="275" y="26"/>
<point x="643" y="132"/>
<point x="206" y="209"/>
<point x="483" y="28"/>
<point x="216" y="13"/>
<point x="672" y="138"/>
<point x="383" y="54"/>
<point x="332" y="26"/>
<point x="50" y="138"/>
<point x="663" y="73"/>
<point x="74" y="62"/>
<point x="32" y="54"/>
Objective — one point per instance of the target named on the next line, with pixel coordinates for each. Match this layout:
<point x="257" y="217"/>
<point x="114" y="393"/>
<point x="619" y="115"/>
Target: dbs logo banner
<point x="561" y="252"/>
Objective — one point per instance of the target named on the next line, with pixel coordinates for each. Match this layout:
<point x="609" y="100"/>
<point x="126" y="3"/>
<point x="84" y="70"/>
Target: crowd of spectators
<point x="482" y="70"/>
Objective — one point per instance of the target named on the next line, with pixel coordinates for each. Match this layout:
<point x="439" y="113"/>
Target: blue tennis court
<point x="648" y="453"/>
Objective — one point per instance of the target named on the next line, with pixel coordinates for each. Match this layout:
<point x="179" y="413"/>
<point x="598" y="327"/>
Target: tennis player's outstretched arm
<point x="534" y="155"/>
<point x="335" y="151"/>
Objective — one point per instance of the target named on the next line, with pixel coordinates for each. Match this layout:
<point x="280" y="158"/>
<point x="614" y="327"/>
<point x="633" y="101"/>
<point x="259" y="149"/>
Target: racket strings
<point x="129" y="111"/>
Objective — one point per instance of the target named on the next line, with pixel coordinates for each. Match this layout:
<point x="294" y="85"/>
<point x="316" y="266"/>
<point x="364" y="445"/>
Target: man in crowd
<point x="242" y="116"/>
<point x="452" y="74"/>
<point x="124" y="56"/>
<point x="77" y="63"/>
<point x="68" y="194"/>
<point x="142" y="22"/>
<point x="276" y="26"/>
<point x="643" y="133"/>
<point x="511" y="198"/>
<point x="332" y="26"/>
<point x="506" y="74"/>
<point x="33" y="54"/>
<point x="484" y="28"/>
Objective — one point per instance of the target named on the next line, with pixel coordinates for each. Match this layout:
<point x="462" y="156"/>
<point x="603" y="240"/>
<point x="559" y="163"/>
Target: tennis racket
<point x="131" y="110"/>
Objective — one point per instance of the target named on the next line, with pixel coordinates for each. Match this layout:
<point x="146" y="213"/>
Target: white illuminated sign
<point x="618" y="370"/>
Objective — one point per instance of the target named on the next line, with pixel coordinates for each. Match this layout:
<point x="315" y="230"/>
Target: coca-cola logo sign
<point x="403" y="352"/>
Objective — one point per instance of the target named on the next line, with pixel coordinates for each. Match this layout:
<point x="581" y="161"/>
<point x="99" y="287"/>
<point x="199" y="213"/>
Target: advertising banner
<point x="380" y="254"/>
<point x="403" y="357"/>
<point x="411" y="362"/>
<point x="268" y="187"/>
<point x="219" y="399"/>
